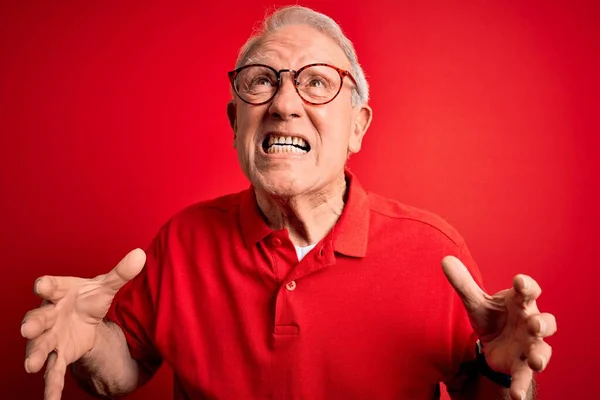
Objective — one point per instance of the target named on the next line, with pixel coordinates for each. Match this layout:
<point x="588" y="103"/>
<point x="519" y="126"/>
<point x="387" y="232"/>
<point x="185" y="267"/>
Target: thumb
<point x="127" y="269"/>
<point x="463" y="283"/>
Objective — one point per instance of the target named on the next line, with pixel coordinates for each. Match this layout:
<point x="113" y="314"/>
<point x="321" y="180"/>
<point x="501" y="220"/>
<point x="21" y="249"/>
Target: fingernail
<point x="525" y="282"/>
<point x="22" y="331"/>
<point x="26" y="367"/>
<point x="523" y="394"/>
<point x="36" y="286"/>
<point x="543" y="360"/>
<point x="543" y="326"/>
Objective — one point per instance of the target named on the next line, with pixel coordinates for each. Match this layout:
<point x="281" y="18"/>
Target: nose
<point x="286" y="104"/>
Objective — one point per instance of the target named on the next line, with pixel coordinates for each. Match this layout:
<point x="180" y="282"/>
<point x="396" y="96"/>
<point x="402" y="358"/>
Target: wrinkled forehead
<point x="296" y="46"/>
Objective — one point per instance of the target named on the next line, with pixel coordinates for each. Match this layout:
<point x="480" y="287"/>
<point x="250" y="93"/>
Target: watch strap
<point x="485" y="370"/>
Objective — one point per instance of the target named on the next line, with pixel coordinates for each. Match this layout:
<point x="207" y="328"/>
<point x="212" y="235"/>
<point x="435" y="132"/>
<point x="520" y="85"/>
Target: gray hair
<point x="298" y="15"/>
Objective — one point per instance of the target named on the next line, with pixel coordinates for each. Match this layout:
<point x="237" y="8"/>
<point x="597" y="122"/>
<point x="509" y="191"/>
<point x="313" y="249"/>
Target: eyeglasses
<point x="316" y="84"/>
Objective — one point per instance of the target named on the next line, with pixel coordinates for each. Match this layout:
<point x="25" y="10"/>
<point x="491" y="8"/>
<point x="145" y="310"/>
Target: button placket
<point x="283" y="256"/>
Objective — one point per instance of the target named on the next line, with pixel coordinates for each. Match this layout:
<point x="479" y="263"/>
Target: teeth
<point x="286" y="144"/>
<point x="286" y="140"/>
<point x="286" y="148"/>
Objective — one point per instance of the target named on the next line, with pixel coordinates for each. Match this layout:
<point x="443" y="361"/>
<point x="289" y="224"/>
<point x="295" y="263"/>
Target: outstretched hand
<point x="509" y="324"/>
<point x="63" y="328"/>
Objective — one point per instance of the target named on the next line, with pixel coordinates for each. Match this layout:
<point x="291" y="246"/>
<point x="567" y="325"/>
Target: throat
<point x="307" y="218"/>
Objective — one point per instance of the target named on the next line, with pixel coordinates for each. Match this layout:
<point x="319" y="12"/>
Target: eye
<point x="316" y="83"/>
<point x="261" y="81"/>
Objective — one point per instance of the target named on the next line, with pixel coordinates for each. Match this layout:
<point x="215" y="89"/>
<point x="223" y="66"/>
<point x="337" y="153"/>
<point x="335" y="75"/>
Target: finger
<point x="37" y="351"/>
<point x="54" y="377"/>
<point x="462" y="281"/>
<point x="521" y="380"/>
<point x="542" y="325"/>
<point x="538" y="355"/>
<point x="527" y="287"/>
<point x="53" y="288"/>
<point x="127" y="269"/>
<point x="37" y="321"/>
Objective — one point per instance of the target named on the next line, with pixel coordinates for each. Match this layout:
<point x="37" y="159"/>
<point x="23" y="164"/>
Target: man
<point x="303" y="286"/>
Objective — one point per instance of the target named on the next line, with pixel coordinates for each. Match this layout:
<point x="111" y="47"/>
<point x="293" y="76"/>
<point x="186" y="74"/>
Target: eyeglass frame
<point x="342" y="72"/>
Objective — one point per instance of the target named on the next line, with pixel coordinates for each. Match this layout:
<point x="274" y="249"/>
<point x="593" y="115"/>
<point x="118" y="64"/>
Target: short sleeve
<point x="133" y="310"/>
<point x="463" y="336"/>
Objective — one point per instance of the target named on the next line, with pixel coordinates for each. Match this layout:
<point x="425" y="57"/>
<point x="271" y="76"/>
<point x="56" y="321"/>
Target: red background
<point x="112" y="118"/>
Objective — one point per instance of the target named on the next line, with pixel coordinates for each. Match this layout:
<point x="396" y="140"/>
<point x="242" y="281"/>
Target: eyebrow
<point x="262" y="58"/>
<point x="256" y="58"/>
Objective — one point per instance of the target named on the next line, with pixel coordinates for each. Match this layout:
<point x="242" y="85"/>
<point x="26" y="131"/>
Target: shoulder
<point x="416" y="221"/>
<point x="215" y="206"/>
<point x="412" y="231"/>
<point x="205" y="215"/>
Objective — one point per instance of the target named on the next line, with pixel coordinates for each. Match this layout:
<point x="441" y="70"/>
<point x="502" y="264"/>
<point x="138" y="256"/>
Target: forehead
<point x="294" y="46"/>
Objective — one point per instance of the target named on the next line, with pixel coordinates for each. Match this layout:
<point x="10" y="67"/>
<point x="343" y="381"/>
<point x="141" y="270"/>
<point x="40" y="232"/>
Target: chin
<point x="280" y="183"/>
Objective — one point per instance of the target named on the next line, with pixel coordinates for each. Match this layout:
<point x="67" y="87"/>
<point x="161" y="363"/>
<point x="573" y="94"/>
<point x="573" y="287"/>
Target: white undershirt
<point x="302" y="251"/>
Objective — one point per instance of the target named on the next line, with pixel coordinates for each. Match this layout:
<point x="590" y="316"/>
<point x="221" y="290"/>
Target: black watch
<point x="485" y="370"/>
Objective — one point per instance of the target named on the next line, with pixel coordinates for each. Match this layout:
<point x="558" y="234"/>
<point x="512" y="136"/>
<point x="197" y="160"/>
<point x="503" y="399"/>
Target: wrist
<point x="100" y="332"/>
<point x="485" y="370"/>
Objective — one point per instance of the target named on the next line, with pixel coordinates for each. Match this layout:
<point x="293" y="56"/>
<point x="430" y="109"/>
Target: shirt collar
<point x="350" y="234"/>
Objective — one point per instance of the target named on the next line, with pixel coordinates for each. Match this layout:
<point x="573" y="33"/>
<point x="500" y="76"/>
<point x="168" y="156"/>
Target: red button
<point x="275" y="242"/>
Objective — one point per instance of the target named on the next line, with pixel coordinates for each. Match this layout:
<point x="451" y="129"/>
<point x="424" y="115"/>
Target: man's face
<point x="330" y="131"/>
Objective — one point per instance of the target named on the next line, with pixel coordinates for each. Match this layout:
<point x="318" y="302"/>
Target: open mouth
<point x="274" y="144"/>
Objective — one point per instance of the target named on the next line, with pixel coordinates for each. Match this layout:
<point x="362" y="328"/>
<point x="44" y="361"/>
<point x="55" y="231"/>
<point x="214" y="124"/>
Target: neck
<point x="308" y="217"/>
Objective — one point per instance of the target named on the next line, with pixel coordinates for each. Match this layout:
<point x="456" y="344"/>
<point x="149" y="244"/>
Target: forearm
<point x="486" y="389"/>
<point x="108" y="369"/>
<point x="481" y="388"/>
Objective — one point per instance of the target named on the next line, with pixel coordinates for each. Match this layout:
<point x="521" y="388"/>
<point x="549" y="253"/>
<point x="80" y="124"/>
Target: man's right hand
<point x="63" y="328"/>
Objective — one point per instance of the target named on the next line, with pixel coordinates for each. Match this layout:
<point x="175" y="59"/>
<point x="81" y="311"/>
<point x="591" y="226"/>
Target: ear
<point x="362" y="120"/>
<point x="232" y="116"/>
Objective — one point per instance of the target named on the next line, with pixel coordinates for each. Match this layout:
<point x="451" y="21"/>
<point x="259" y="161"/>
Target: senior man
<point x="303" y="286"/>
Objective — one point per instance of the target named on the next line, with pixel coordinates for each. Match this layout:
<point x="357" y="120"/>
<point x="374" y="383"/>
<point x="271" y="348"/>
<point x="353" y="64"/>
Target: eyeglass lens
<point x="316" y="84"/>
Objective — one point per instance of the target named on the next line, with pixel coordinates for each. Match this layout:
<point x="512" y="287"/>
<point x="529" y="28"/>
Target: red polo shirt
<point x="367" y="314"/>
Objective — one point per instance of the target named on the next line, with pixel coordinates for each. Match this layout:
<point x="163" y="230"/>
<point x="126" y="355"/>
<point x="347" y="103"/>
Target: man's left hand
<point x="508" y="324"/>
